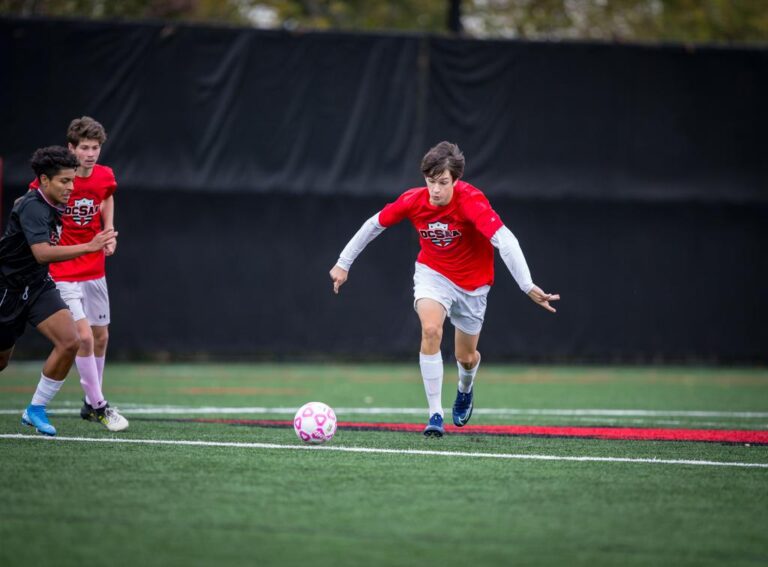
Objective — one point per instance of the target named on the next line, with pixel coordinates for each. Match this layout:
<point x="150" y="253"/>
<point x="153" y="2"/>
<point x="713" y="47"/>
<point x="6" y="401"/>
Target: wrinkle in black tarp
<point x="239" y="110"/>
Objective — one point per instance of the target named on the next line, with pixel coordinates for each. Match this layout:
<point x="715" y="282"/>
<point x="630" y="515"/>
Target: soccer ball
<point x="315" y="423"/>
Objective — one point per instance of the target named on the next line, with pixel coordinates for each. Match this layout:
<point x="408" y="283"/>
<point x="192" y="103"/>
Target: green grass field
<point x="71" y="501"/>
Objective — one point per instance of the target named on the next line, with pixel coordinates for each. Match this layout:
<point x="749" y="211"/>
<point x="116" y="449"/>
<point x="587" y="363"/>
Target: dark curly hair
<point x="49" y="161"/>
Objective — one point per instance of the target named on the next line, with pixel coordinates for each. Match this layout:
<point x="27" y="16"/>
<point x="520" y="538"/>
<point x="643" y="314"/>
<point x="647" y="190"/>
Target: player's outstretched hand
<point x="103" y="239"/>
<point x="543" y="299"/>
<point x="338" y="276"/>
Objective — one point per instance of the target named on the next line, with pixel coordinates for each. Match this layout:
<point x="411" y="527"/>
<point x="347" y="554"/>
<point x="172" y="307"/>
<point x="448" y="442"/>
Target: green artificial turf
<point x="73" y="502"/>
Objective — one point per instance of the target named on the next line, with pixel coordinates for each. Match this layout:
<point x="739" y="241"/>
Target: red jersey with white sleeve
<point x="81" y="221"/>
<point x="455" y="238"/>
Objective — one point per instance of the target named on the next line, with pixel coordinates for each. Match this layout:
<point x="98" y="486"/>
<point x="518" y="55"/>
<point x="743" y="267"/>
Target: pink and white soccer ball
<point x="315" y="423"/>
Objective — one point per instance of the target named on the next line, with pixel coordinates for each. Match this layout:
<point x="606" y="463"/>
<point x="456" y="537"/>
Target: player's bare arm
<point x="338" y="276"/>
<point x="44" y="253"/>
<point x="543" y="298"/>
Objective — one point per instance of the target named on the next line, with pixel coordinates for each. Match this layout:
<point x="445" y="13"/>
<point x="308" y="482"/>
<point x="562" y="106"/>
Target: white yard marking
<point x="343" y="449"/>
<point x="139" y="409"/>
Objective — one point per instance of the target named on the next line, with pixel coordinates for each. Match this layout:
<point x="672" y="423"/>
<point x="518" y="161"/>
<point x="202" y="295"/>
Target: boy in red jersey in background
<point x="82" y="281"/>
<point x="457" y="231"/>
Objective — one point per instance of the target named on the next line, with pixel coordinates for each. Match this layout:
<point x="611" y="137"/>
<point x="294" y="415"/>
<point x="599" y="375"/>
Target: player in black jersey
<point x="27" y="293"/>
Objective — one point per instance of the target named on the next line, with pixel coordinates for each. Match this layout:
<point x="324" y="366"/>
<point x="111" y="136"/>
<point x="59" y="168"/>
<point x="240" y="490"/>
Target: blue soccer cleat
<point x="435" y="426"/>
<point x="462" y="408"/>
<point x="35" y="416"/>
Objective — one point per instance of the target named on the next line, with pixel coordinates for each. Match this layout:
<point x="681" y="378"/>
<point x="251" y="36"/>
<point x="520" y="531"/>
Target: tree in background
<point x="187" y="10"/>
<point x="725" y="21"/>
<point x="718" y="21"/>
<point x="403" y="15"/>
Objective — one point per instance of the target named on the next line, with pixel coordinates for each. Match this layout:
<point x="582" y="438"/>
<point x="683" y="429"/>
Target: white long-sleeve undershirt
<point x="503" y="239"/>
<point x="512" y="255"/>
<point x="370" y="230"/>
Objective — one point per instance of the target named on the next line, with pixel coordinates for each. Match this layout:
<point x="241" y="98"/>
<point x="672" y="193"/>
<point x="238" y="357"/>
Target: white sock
<point x="89" y="380"/>
<point x="467" y="377"/>
<point x="432" y="375"/>
<point x="100" y="367"/>
<point x="46" y="390"/>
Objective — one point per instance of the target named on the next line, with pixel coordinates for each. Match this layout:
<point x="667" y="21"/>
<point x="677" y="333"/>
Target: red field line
<point x="759" y="437"/>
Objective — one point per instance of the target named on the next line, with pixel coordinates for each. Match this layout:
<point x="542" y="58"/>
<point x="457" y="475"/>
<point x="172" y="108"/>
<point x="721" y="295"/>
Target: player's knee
<point x="5" y="358"/>
<point x="86" y="341"/>
<point x="70" y="344"/>
<point x="431" y="332"/>
<point x="100" y="339"/>
<point x="466" y="359"/>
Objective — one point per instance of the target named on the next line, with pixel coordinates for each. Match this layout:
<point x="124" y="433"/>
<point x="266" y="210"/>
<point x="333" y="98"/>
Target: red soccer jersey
<point x="80" y="223"/>
<point x="455" y="239"/>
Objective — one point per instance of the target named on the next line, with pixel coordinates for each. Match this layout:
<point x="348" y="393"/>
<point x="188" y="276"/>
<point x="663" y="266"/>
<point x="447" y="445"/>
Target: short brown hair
<point x="85" y="128"/>
<point x="444" y="156"/>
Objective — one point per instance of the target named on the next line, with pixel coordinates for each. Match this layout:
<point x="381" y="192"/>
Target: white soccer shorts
<point x="465" y="309"/>
<point x="88" y="299"/>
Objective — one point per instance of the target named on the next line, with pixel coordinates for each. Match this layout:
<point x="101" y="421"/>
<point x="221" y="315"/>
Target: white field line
<point x="138" y="409"/>
<point x="388" y="451"/>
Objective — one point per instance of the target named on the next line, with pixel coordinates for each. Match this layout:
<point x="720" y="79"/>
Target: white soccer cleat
<point x="110" y="418"/>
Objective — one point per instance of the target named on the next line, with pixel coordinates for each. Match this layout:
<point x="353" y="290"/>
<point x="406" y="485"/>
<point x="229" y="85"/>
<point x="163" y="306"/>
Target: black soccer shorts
<point x="33" y="305"/>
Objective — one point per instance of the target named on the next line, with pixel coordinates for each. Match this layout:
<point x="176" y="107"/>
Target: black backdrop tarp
<point x="635" y="178"/>
<point x="241" y="110"/>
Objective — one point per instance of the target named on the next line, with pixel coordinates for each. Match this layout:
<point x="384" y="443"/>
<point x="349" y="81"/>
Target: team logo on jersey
<point x="439" y="233"/>
<point x="82" y="211"/>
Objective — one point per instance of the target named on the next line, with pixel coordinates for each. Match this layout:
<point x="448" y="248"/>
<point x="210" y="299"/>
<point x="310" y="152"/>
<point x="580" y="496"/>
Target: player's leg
<point x="96" y="307"/>
<point x="86" y="366"/>
<point x="432" y="316"/>
<point x="14" y="321"/>
<point x="72" y="293"/>
<point x="15" y="311"/>
<point x="100" y="342"/>
<point x="5" y="358"/>
<point x="468" y="361"/>
<point x="59" y="328"/>
<point x="467" y="358"/>
<point x="467" y="317"/>
<point x="99" y="338"/>
<point x="433" y="296"/>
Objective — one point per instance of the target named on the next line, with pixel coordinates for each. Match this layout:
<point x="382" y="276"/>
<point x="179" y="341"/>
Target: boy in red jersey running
<point x="457" y="231"/>
<point x="82" y="281"/>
